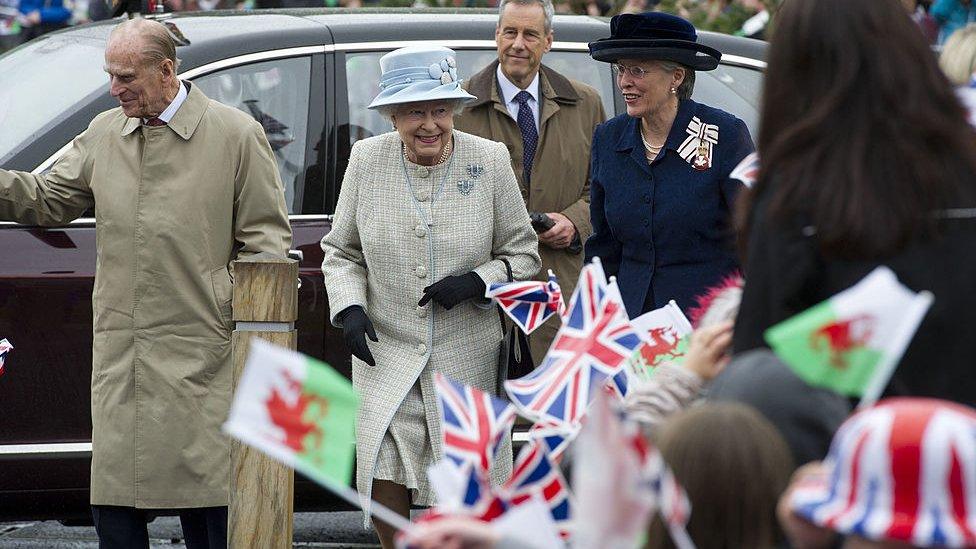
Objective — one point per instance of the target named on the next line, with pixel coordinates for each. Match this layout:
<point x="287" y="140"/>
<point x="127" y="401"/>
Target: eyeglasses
<point x="416" y="115"/>
<point x="634" y="71"/>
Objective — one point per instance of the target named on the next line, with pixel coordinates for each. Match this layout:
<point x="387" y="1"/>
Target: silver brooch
<point x="465" y="186"/>
<point x="475" y="170"/>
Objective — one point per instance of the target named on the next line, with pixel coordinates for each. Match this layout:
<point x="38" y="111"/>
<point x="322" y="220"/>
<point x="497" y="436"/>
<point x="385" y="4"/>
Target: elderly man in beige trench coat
<point x="181" y="186"/>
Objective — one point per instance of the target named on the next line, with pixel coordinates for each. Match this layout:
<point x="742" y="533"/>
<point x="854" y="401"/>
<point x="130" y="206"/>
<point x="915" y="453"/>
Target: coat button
<point x="422" y="196"/>
<point x="422" y="172"/>
<point x="420" y="231"/>
<point x="421" y="349"/>
<point x="422" y="312"/>
<point x="647" y="198"/>
<point x="421" y="272"/>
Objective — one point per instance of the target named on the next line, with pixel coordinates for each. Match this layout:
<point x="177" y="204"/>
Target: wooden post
<point x="261" y="489"/>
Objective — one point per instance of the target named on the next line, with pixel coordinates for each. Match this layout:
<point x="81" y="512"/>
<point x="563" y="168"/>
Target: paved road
<point x="335" y="530"/>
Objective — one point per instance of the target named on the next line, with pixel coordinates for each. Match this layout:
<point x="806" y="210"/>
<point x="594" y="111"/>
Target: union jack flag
<point x="472" y="422"/>
<point x="5" y="348"/>
<point x="672" y="500"/>
<point x="904" y="470"/>
<point x="747" y="171"/>
<point x="556" y="436"/>
<point x="536" y="474"/>
<point x="590" y="348"/>
<point x="480" y="500"/>
<point x="530" y="303"/>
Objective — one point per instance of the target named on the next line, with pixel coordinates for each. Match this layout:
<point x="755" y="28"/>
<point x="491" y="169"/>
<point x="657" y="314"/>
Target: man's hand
<point x="356" y="326"/>
<point x="706" y="352"/>
<point x="561" y="234"/>
<point x="33" y="18"/>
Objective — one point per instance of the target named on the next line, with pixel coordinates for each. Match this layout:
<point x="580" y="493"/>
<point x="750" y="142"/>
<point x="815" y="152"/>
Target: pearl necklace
<point x="446" y="153"/>
<point x="651" y="150"/>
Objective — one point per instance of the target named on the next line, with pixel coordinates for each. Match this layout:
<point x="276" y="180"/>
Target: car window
<point x="38" y="70"/>
<point x="732" y="89"/>
<point x="363" y="75"/>
<point x="276" y="94"/>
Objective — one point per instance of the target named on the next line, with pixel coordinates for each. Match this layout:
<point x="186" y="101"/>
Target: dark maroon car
<point x="307" y="76"/>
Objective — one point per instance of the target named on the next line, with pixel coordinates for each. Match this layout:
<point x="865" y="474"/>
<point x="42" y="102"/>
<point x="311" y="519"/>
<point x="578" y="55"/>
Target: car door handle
<point x="298" y="256"/>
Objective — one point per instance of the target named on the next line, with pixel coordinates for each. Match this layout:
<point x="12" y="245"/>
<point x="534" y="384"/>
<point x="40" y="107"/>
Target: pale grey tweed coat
<point x="381" y="253"/>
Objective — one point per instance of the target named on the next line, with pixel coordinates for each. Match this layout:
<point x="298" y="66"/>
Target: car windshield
<point x="38" y="70"/>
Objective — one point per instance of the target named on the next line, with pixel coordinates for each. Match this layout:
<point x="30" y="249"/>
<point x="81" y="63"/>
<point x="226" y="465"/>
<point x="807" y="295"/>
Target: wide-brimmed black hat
<point x="654" y="35"/>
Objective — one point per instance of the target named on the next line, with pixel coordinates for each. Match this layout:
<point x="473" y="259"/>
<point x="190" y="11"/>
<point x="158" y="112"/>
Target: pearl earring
<point x="673" y="90"/>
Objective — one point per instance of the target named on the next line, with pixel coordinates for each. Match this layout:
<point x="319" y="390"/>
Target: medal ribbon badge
<point x="697" y="149"/>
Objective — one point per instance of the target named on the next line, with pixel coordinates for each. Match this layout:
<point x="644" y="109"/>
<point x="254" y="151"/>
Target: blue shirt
<point x="951" y="16"/>
<point x="663" y="229"/>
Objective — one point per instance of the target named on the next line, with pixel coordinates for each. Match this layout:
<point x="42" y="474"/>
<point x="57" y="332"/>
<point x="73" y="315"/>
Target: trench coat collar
<point x="630" y="139"/>
<point x="552" y="85"/>
<point x="186" y="119"/>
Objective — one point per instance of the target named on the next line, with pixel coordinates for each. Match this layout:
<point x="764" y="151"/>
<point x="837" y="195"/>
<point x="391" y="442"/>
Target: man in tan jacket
<point x="546" y="120"/>
<point x="181" y="186"/>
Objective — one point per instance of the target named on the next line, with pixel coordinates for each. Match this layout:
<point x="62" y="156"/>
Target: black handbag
<point x="514" y="357"/>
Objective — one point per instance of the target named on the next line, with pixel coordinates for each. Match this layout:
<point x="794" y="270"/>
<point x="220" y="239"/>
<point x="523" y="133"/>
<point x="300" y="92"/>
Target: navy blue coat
<point x="664" y="229"/>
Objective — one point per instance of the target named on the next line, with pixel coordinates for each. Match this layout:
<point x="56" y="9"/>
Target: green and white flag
<point x="852" y="342"/>
<point x="664" y="333"/>
<point x="299" y="411"/>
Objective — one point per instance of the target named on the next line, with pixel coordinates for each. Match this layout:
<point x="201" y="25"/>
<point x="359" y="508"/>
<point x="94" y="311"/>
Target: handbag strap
<point x="508" y="271"/>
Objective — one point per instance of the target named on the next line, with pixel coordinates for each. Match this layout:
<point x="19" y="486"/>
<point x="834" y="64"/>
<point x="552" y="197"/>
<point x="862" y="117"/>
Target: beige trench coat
<point x="381" y="253"/>
<point x="174" y="205"/>
<point x="569" y="113"/>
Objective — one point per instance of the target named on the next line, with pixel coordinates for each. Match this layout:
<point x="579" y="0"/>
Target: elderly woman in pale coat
<point x="426" y="218"/>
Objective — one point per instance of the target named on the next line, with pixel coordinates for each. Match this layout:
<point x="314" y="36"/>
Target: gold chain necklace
<point x="446" y="153"/>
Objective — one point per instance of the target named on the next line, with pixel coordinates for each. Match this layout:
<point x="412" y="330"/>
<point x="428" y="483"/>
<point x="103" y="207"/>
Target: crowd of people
<point x="22" y="20"/>
<point x="866" y="158"/>
<point x="863" y="163"/>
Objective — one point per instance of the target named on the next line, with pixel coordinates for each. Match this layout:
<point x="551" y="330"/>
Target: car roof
<point x="211" y="36"/>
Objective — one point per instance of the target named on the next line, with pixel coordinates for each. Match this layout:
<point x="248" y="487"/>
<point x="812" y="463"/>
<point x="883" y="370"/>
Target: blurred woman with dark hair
<point x="867" y="159"/>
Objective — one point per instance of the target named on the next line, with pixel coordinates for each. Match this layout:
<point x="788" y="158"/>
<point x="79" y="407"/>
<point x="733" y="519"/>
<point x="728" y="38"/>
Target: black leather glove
<point x="355" y="327"/>
<point x="451" y="290"/>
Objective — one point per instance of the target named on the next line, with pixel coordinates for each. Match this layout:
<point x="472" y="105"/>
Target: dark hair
<point x="734" y="465"/>
<point x="861" y="134"/>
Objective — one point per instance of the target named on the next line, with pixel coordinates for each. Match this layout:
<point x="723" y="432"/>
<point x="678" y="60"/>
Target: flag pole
<point x="913" y="317"/>
<point x="680" y="537"/>
<point x="376" y="509"/>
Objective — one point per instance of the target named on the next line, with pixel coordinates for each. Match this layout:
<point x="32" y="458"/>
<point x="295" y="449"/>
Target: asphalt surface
<point x="341" y="529"/>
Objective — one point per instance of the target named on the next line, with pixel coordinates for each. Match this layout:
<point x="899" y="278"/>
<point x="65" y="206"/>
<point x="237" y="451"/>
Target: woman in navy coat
<point x="660" y="192"/>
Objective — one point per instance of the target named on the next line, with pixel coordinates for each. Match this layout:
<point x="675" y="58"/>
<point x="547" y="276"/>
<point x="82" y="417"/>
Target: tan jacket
<point x="175" y="205"/>
<point x="391" y="238"/>
<point x="569" y="112"/>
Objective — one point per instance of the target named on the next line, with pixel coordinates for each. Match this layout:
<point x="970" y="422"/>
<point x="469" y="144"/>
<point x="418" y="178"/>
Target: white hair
<point x="547" y="9"/>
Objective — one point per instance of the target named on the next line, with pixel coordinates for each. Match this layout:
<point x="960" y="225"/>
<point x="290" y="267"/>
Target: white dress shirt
<point x="170" y="111"/>
<point x="509" y="90"/>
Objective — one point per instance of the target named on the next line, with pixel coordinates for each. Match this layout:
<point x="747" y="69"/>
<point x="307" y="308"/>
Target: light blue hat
<point x="419" y="73"/>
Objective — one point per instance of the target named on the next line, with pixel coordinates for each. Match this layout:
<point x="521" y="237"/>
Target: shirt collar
<point x="168" y="113"/>
<point x="509" y="90"/>
<point x="630" y="139"/>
